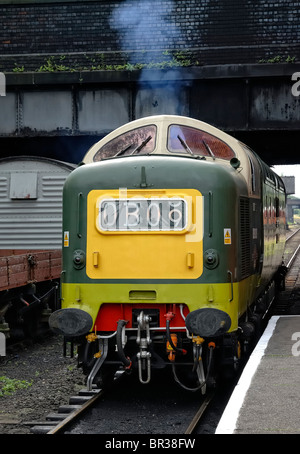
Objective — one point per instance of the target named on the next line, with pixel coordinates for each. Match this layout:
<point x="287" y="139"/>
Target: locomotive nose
<point x="208" y="322"/>
<point x="71" y="322"/>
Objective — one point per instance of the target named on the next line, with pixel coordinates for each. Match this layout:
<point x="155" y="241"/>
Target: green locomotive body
<point x="174" y="234"/>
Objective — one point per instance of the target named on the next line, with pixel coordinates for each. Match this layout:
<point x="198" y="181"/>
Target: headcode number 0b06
<point x="158" y="214"/>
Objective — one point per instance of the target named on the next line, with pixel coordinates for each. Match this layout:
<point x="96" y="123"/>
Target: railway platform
<point x="266" y="399"/>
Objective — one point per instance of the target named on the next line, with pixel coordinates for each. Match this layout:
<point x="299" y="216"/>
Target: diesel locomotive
<point x="173" y="237"/>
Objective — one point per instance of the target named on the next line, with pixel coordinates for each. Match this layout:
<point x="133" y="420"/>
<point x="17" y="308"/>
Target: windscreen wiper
<point x="209" y="150"/>
<point x="123" y="151"/>
<point x="141" y="146"/>
<point x="185" y="145"/>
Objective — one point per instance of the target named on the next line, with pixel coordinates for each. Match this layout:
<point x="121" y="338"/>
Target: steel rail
<point x="195" y="421"/>
<point x="94" y="394"/>
<point x="74" y="415"/>
<point x="292" y="259"/>
<point x="295" y="253"/>
<point x="292" y="235"/>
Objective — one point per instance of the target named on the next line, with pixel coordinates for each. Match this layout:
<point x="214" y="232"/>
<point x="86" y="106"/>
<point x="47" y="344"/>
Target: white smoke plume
<point x="134" y="19"/>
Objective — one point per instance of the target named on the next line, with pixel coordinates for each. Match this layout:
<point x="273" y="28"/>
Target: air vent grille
<point x="245" y="238"/>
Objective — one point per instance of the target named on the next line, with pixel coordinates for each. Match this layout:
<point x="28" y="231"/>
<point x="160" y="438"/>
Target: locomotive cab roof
<point x="173" y="135"/>
<point x="164" y="134"/>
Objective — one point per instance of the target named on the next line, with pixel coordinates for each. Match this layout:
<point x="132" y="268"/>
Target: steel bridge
<point x="60" y="114"/>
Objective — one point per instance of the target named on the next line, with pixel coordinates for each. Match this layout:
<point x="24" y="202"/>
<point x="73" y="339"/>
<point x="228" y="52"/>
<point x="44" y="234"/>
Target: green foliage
<point x="278" y="59"/>
<point x="10" y="385"/>
<point x="18" y="69"/>
<point x="97" y="62"/>
<point x="52" y="66"/>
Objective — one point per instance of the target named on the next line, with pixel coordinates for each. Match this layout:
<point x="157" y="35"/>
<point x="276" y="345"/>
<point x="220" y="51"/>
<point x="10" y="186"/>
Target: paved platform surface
<point x="266" y="399"/>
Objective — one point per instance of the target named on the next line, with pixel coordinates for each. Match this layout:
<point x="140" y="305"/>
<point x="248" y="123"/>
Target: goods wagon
<point x="30" y="238"/>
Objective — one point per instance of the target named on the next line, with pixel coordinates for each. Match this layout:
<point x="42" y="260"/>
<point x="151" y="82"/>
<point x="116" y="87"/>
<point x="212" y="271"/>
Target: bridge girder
<point x="259" y="104"/>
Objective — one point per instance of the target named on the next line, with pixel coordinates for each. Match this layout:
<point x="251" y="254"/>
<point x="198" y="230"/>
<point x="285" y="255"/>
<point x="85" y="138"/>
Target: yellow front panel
<point x="162" y="253"/>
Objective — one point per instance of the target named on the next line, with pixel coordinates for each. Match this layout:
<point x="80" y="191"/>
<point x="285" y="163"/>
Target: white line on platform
<point x="227" y="423"/>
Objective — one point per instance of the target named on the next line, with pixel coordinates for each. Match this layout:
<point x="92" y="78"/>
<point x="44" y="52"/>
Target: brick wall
<point x="94" y="34"/>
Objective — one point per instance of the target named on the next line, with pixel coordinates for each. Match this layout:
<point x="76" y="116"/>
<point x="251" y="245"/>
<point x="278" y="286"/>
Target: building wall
<point x="56" y="35"/>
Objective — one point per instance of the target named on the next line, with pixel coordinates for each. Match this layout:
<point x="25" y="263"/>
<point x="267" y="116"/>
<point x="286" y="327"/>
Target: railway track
<point x="68" y="415"/>
<point x="85" y="401"/>
<point x="197" y="418"/>
<point x="288" y="297"/>
<point x="292" y="248"/>
<point x="57" y="422"/>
